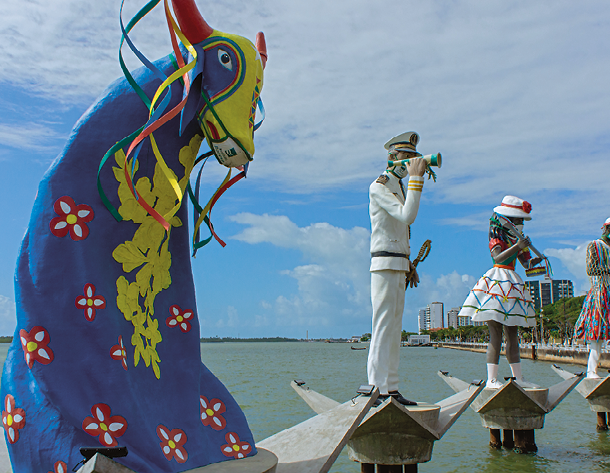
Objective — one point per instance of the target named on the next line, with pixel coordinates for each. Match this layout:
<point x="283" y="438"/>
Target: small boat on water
<point x="358" y="348"/>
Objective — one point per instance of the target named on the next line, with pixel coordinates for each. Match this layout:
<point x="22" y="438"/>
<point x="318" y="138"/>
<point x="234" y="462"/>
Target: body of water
<point x="259" y="375"/>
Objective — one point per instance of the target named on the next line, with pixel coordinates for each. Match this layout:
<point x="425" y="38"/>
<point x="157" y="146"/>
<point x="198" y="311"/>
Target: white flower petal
<point x="172" y="322"/>
<point x="98" y="302"/>
<point x="11" y="433"/>
<point x="164" y="433"/>
<point x="233" y="439"/>
<point x="115" y="426"/>
<point x="108" y="438"/>
<point x="89" y="312"/>
<point x="18" y="418"/>
<point x="240" y="455"/>
<point x="177" y="437"/>
<point x="64" y="207"/>
<point x="166" y="449"/>
<point x="92" y="426"/>
<point x="7" y="403"/>
<point x="27" y="358"/>
<point x="99" y="414"/>
<point x="217" y="421"/>
<point x="42" y="352"/>
<point x="188" y="314"/>
<point x="82" y="301"/>
<point x="216" y="406"/>
<point x="60" y="225"/>
<point x="24" y="341"/>
<point x="179" y="454"/>
<point x="78" y="230"/>
<point x="89" y="291"/>
<point x="203" y="403"/>
<point x="60" y="468"/>
<point x="39" y="336"/>
<point x="117" y="352"/>
<point x="175" y="311"/>
<point x="184" y="326"/>
<point x="83" y="213"/>
<point x="227" y="449"/>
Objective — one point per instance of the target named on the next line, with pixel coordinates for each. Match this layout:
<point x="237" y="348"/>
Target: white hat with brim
<point x="514" y="207"/>
<point x="607" y="222"/>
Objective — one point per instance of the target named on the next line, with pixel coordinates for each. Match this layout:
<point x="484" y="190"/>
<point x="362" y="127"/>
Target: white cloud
<point x="31" y="137"/>
<point x="8" y="320"/>
<point x="334" y="289"/>
<point x="574" y="259"/>
<point x="232" y="319"/>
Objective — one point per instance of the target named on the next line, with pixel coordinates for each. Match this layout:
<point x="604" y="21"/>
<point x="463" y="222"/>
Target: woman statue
<point x="593" y="323"/>
<point x="500" y="297"/>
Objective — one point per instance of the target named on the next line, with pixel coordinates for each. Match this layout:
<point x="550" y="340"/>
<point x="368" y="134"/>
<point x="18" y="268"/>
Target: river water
<point x="259" y="375"/>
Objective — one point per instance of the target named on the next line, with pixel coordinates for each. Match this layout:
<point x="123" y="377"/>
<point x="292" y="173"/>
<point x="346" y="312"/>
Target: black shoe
<point x="402" y="400"/>
<point x="380" y="399"/>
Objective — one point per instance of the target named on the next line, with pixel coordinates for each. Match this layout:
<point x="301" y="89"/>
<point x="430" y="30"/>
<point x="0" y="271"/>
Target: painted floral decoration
<point x="179" y="318"/>
<point x="210" y="413"/>
<point x="172" y="442"/>
<point x="72" y="218"/>
<point x="13" y="419"/>
<point x="118" y="352"/>
<point x="234" y="447"/>
<point x="527" y="207"/>
<point x="59" y="467"/>
<point x="89" y="302"/>
<point x="106" y="426"/>
<point x="35" y="346"/>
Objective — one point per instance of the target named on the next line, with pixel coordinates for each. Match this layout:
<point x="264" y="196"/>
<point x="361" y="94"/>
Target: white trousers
<point x="388" y="298"/>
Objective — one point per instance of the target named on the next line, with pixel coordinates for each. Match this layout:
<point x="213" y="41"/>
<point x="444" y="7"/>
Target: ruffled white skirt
<point x="500" y="295"/>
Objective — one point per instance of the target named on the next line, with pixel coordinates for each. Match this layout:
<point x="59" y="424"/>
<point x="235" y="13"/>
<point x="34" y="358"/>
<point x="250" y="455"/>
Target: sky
<point x="513" y="94"/>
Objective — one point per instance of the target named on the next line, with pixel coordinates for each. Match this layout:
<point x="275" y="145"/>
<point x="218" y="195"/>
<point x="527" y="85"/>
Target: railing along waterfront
<point x="576" y="354"/>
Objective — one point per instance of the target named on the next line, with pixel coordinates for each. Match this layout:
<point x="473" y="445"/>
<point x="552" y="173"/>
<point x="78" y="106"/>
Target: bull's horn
<point x="190" y="20"/>
<point x="261" y="47"/>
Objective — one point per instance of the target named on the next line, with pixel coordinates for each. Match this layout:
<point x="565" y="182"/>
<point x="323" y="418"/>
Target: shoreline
<point x="538" y="352"/>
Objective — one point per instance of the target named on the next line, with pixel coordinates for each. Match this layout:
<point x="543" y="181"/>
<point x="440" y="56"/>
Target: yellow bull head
<point x="226" y="85"/>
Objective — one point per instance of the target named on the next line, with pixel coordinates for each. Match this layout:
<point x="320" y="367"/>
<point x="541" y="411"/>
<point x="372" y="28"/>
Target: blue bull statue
<point x="106" y="352"/>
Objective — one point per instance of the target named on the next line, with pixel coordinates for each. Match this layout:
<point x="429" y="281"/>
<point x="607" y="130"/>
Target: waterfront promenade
<point x="542" y="352"/>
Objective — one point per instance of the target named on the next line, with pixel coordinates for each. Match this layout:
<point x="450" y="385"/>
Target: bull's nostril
<point x="213" y="130"/>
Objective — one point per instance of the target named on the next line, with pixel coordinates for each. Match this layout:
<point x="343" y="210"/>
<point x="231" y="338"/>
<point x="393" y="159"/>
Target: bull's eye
<point x="225" y="59"/>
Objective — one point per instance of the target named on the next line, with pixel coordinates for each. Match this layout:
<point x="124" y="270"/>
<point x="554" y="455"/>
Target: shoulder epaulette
<point x="383" y="179"/>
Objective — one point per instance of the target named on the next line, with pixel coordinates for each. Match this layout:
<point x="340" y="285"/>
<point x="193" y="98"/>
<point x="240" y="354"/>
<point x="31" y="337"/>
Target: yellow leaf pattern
<point x="148" y="251"/>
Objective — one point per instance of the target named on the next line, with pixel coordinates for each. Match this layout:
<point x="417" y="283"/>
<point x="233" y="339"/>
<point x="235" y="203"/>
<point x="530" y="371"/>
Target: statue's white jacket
<point x="391" y="214"/>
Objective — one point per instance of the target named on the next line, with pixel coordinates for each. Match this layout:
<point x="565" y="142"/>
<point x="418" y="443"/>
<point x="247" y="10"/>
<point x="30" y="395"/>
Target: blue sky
<point x="513" y="94"/>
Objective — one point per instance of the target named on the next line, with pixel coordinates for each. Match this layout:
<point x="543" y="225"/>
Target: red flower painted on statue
<point x="179" y="318"/>
<point x="72" y="218"/>
<point x="59" y="467"/>
<point x="210" y="413"/>
<point x="35" y="347"/>
<point x="89" y="302"/>
<point x="13" y="419"/>
<point x="527" y="207"/>
<point x="118" y="352"/>
<point x="172" y="442"/>
<point x="106" y="426"/>
<point x="234" y="447"/>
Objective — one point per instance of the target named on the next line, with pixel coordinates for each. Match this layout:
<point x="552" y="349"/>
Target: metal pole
<point x="509" y="442"/>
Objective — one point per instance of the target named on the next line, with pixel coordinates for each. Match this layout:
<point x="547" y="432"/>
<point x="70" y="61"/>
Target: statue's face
<point x="606" y="232"/>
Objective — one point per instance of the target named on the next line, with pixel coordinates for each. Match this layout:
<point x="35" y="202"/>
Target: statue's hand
<point x="524" y="243"/>
<point x="416" y="166"/>
<point x="412" y="278"/>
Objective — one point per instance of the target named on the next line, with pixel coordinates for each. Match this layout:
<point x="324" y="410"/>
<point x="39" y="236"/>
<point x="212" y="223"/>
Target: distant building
<point x="465" y="320"/>
<point x="419" y="339"/>
<point x="437" y="315"/>
<point x="548" y="291"/>
<point x="423" y="320"/>
<point x="452" y="317"/>
<point x="432" y="317"/>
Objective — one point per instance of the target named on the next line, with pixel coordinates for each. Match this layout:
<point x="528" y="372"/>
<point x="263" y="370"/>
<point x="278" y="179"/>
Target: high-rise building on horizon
<point x="452" y="317"/>
<point x="549" y="290"/>
<point x="432" y="317"/>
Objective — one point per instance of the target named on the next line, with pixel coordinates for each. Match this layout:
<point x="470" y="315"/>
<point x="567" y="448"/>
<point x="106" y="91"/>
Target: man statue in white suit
<point x="392" y="209"/>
